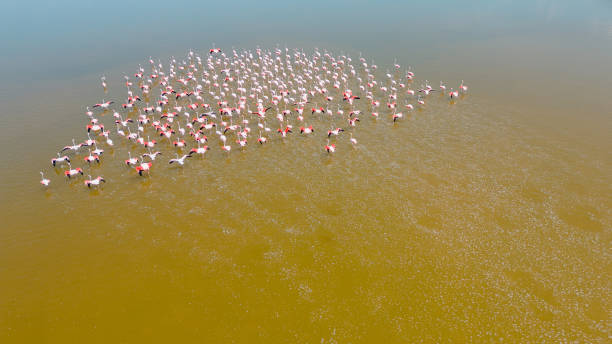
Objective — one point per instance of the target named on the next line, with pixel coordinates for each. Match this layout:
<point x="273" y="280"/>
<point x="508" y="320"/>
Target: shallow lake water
<point x="487" y="219"/>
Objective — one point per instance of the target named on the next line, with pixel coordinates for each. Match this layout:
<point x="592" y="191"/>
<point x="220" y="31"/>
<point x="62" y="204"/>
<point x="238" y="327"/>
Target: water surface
<point x="487" y="220"/>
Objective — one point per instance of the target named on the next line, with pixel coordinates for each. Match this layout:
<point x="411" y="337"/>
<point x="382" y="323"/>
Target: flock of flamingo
<point x="185" y="104"/>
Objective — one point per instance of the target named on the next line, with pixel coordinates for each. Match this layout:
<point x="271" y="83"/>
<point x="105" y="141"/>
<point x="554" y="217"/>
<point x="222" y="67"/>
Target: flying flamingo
<point x="144" y="167"/>
<point x="97" y="151"/>
<point x="72" y="172"/>
<point x="199" y="150"/>
<point x="131" y="161"/>
<point x="151" y="156"/>
<point x="334" y="132"/>
<point x="94" y="182"/>
<point x="181" y="160"/>
<point x="352" y="121"/>
<point x="74" y="147"/>
<point x="284" y="132"/>
<point x="104" y="105"/>
<point x="306" y="130"/>
<point x="91" y="158"/>
<point x="426" y="91"/>
<point x="59" y="159"/>
<point x="242" y="143"/>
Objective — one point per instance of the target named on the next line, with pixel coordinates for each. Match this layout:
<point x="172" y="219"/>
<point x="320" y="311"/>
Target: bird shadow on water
<point x="94" y="192"/>
<point x="58" y="171"/>
<point x="145" y="181"/>
<point x="242" y="154"/>
<point x="74" y="181"/>
<point x="326" y="159"/>
<point x="178" y="170"/>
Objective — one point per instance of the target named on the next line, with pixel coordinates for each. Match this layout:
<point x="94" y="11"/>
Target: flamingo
<point x="124" y="123"/>
<point x="397" y="116"/>
<point x="261" y="112"/>
<point x="131" y="135"/>
<point x="181" y="160"/>
<point x="353" y="140"/>
<point x="151" y="156"/>
<point x="104" y="105"/>
<point x="72" y="172"/>
<point x="94" y="182"/>
<point x="144" y="167"/>
<point x="426" y="91"/>
<point x="199" y="150"/>
<point x="307" y="130"/>
<point x="74" y="147"/>
<point x="463" y="87"/>
<point x="43" y="180"/>
<point x="150" y="143"/>
<point x="120" y="132"/>
<point x="284" y="132"/>
<point x="131" y="161"/>
<point x="334" y="132"/>
<point x="318" y="110"/>
<point x="97" y="151"/>
<point x="242" y="143"/>
<point x="91" y="158"/>
<point x="330" y="148"/>
<point x="59" y="159"/>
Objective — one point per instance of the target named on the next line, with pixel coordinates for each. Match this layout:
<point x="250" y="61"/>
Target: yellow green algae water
<point x="486" y="220"/>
